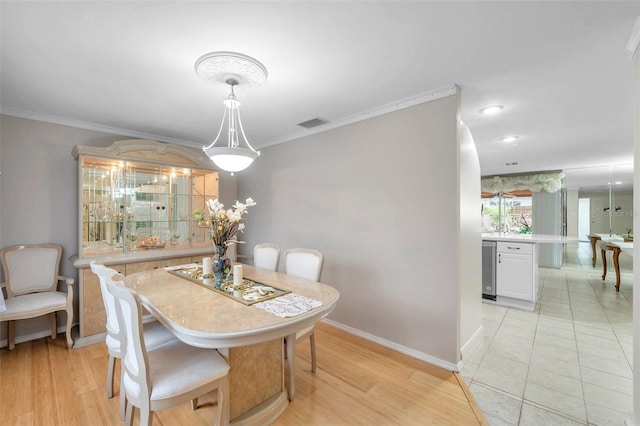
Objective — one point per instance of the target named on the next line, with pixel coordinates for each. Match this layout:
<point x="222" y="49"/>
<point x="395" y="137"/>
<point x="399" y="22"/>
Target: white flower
<point x="223" y="224"/>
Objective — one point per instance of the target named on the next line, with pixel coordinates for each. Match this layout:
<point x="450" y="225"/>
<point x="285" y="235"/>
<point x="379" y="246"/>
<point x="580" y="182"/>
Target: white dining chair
<point x="31" y="282"/>
<point x="155" y="334"/>
<point x="306" y="264"/>
<point x="266" y="256"/>
<point x="171" y="374"/>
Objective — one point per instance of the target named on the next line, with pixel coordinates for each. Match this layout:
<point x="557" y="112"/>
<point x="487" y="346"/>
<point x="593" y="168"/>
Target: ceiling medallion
<point x="220" y="67"/>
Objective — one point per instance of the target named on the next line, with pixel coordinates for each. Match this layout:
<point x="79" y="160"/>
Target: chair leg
<point x="129" y="417"/>
<point x="146" y="417"/>
<point x="312" y="338"/>
<point x="110" y="365"/>
<point x="194" y="404"/>
<point x="11" y="335"/>
<point x="222" y="417"/>
<point x="124" y="405"/>
<point x="69" y="326"/>
<point x="54" y="325"/>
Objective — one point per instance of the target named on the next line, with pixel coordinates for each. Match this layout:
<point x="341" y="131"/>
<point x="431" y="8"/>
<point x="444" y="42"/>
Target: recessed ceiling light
<point x="618" y="183"/>
<point x="491" y="109"/>
<point x="510" y="138"/>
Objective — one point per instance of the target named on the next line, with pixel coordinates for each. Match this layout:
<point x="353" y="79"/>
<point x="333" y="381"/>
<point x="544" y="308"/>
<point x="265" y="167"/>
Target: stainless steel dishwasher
<point x="489" y="269"/>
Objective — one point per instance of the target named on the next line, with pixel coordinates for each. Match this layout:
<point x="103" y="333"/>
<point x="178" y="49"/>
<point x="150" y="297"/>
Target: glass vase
<point x="221" y="265"/>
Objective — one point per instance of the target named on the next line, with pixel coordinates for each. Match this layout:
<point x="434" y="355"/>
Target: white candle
<point x="237" y="275"/>
<point x="206" y="266"/>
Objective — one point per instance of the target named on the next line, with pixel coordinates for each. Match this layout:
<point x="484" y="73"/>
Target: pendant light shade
<point x="233" y="69"/>
<point x="232" y="159"/>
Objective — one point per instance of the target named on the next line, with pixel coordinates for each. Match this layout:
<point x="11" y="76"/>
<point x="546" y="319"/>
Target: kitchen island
<point x="516" y="266"/>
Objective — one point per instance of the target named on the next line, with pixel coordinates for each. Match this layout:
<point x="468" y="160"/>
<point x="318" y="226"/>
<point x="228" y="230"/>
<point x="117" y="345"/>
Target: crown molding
<point x="95" y="127"/>
<point x="410" y="101"/>
<point x="634" y="41"/>
<point x="397" y="105"/>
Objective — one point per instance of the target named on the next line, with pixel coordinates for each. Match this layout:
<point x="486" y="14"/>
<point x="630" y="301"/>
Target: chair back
<point x="31" y="268"/>
<point x="115" y="338"/>
<point x="266" y="256"/>
<point x="135" y="379"/>
<point x="303" y="263"/>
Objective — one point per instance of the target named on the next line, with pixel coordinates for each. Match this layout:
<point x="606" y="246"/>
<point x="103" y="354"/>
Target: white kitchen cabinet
<point x="517" y="271"/>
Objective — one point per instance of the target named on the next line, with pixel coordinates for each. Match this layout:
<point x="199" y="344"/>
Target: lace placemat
<point x="288" y="305"/>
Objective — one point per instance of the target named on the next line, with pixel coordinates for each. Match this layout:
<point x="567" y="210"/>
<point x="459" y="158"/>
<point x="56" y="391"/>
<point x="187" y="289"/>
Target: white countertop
<point x="528" y="238"/>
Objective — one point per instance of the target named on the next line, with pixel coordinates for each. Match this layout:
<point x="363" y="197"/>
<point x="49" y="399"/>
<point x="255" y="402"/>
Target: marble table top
<point x="204" y="318"/>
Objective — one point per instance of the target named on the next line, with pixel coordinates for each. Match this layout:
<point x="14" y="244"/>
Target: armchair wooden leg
<point x="69" y="327"/>
<point x="194" y="404"/>
<point x="11" y="335"/>
<point x="54" y="325"/>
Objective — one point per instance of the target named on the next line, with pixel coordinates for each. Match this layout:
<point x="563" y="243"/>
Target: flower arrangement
<point x="223" y="224"/>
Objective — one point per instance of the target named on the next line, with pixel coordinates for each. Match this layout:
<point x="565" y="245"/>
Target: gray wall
<point x="469" y="245"/>
<point x="39" y="192"/>
<point x="381" y="199"/>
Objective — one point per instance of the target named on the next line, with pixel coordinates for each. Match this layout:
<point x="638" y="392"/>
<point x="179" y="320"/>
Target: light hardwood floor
<point x="357" y="383"/>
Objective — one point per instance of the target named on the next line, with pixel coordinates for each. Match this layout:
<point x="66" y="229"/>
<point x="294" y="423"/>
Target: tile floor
<point x="566" y="363"/>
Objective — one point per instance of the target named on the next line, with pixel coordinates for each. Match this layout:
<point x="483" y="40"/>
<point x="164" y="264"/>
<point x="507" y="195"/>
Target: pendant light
<point x="233" y="69"/>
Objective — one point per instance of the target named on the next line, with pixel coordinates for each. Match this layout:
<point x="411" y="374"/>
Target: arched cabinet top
<point x="148" y="151"/>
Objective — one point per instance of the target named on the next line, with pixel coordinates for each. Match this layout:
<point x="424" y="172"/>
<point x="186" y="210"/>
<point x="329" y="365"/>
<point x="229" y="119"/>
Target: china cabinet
<point x="135" y="204"/>
<point x="139" y="194"/>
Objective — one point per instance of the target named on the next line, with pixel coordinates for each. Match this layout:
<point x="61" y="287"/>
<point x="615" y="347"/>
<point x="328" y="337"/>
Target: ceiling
<point x="560" y="69"/>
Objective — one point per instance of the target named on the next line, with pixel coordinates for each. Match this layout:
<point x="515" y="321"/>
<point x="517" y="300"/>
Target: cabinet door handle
<point x="499" y="258"/>
<point x="513" y="248"/>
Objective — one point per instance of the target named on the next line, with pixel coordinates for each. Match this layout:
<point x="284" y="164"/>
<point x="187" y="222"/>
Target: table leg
<point x="593" y="250"/>
<point x="603" y="251"/>
<point x="616" y="264"/>
<point x="291" y="364"/>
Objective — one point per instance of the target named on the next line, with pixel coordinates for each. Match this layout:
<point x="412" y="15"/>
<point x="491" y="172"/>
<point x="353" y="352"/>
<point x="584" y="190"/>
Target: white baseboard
<point x="396" y="347"/>
<point x="468" y="348"/>
<point x="81" y="342"/>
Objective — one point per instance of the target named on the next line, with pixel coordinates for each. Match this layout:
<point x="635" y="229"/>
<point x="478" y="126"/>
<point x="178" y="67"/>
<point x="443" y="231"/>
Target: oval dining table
<point x="250" y="338"/>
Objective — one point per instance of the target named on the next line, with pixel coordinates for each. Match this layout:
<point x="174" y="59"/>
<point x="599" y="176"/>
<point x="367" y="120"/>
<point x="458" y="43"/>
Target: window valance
<point x="550" y="182"/>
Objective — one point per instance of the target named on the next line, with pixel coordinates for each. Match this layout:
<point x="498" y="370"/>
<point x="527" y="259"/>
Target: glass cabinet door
<point x="130" y="206"/>
<point x="204" y="187"/>
<point x="100" y="206"/>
